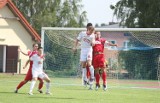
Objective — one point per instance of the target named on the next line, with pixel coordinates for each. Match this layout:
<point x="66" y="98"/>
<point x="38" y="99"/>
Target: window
<point x="126" y="44"/>
<point x="127" y="34"/>
<point x="113" y="42"/>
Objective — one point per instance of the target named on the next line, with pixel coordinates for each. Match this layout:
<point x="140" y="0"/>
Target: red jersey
<point x="98" y="56"/>
<point x="99" y="45"/>
<point x="31" y="53"/>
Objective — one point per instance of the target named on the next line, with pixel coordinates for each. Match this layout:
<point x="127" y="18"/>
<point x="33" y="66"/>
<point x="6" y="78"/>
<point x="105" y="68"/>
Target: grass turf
<point x="69" y="90"/>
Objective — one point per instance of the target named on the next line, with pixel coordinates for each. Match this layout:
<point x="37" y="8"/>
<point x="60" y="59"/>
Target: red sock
<point x="40" y="84"/>
<point x="97" y="78"/>
<point x="104" y="76"/>
<point x="88" y="72"/>
<point x="21" y="84"/>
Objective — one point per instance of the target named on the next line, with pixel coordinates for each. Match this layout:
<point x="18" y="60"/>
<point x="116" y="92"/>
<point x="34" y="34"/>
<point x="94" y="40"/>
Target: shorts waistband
<point x="96" y="53"/>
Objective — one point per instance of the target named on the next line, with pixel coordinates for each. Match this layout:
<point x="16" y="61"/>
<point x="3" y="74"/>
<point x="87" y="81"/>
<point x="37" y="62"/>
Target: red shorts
<point x="98" y="61"/>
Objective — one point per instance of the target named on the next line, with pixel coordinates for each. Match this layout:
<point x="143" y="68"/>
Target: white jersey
<point x="86" y="40"/>
<point x="37" y="63"/>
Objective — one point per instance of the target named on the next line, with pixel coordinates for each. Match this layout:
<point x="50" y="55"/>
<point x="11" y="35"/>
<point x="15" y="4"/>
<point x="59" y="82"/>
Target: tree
<point x="138" y="13"/>
<point x="59" y="13"/>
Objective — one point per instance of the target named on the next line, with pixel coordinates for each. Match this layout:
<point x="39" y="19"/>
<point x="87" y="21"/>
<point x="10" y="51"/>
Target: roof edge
<point x="24" y="21"/>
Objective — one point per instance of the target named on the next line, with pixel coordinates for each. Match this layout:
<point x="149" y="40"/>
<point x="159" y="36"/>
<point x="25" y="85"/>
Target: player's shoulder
<point x="102" y="39"/>
<point x="93" y="35"/>
<point x="82" y="32"/>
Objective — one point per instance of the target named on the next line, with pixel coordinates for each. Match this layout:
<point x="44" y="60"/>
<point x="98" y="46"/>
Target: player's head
<point x="90" y="30"/>
<point x="97" y="34"/>
<point x="40" y="50"/>
<point x="88" y="25"/>
<point x="35" y="46"/>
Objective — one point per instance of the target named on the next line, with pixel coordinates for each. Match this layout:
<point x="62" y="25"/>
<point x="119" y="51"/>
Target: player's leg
<point x="33" y="82"/>
<point x="95" y="63"/>
<point x="97" y="78"/>
<point x="28" y="77"/>
<point x="40" y="85"/>
<point x="20" y="85"/>
<point x="84" y="73"/>
<point x="91" y="69"/>
<point x="88" y="72"/>
<point x="104" y="78"/>
<point x="102" y="65"/>
<point x="48" y="82"/>
<point x="83" y="58"/>
<point x="89" y="63"/>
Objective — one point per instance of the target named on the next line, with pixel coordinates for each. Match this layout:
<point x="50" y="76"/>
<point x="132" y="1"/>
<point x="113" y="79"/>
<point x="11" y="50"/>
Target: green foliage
<point x="52" y="13"/>
<point x="138" y="13"/>
<point x="141" y="64"/>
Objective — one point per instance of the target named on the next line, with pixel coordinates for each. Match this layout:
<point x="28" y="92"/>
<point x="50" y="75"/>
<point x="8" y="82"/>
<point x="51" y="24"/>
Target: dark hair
<point x="40" y="48"/>
<point x="89" y="24"/>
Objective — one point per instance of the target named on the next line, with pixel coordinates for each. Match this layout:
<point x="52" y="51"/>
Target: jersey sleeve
<point x="104" y="41"/>
<point x="29" y="53"/>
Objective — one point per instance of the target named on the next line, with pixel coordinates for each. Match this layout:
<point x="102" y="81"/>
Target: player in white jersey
<point x="86" y="40"/>
<point x="37" y="71"/>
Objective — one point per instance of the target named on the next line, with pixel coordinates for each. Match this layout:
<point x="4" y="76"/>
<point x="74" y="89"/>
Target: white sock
<point x="91" y="69"/>
<point x="32" y="86"/>
<point x="48" y="87"/>
<point x="84" y="74"/>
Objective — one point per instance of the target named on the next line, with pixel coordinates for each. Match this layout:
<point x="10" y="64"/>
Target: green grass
<point x="69" y="90"/>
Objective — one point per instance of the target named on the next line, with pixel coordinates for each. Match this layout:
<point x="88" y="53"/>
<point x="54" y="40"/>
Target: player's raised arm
<point x="75" y="46"/>
<point x="19" y="50"/>
<point x="110" y="44"/>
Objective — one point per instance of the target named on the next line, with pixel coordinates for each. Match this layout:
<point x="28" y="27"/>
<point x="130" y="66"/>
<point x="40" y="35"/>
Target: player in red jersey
<point x="29" y="73"/>
<point x="99" y="59"/>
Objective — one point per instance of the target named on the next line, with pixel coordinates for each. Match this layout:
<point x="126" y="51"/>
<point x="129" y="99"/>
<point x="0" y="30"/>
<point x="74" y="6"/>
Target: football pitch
<point x="70" y="90"/>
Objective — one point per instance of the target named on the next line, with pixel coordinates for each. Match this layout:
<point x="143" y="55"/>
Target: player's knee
<point x="96" y="71"/>
<point x="25" y="81"/>
<point x="34" y="79"/>
<point x="48" y="80"/>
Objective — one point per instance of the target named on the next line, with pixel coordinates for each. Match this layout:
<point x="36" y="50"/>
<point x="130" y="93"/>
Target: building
<point x="15" y="32"/>
<point x="111" y="53"/>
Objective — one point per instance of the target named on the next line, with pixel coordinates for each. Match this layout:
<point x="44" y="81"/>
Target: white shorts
<point x="36" y="74"/>
<point x="86" y="54"/>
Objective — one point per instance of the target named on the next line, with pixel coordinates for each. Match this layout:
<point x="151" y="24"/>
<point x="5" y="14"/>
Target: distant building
<point x="111" y="54"/>
<point x="112" y="25"/>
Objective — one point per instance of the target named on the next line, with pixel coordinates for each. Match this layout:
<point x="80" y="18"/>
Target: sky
<point x="98" y="11"/>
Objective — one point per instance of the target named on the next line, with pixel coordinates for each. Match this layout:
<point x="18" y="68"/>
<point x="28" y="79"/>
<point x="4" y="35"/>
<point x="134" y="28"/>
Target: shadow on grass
<point x="52" y="97"/>
<point x="12" y="93"/>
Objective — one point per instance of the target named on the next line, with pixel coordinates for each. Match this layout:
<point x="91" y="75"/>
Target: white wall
<point x="14" y="34"/>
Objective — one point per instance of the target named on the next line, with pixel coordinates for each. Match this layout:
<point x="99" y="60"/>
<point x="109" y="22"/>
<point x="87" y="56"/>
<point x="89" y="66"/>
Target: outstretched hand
<point x="19" y="50"/>
<point x="74" y="50"/>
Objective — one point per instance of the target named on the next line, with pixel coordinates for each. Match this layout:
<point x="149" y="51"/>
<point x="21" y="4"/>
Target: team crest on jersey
<point x="86" y="40"/>
<point x="97" y="42"/>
